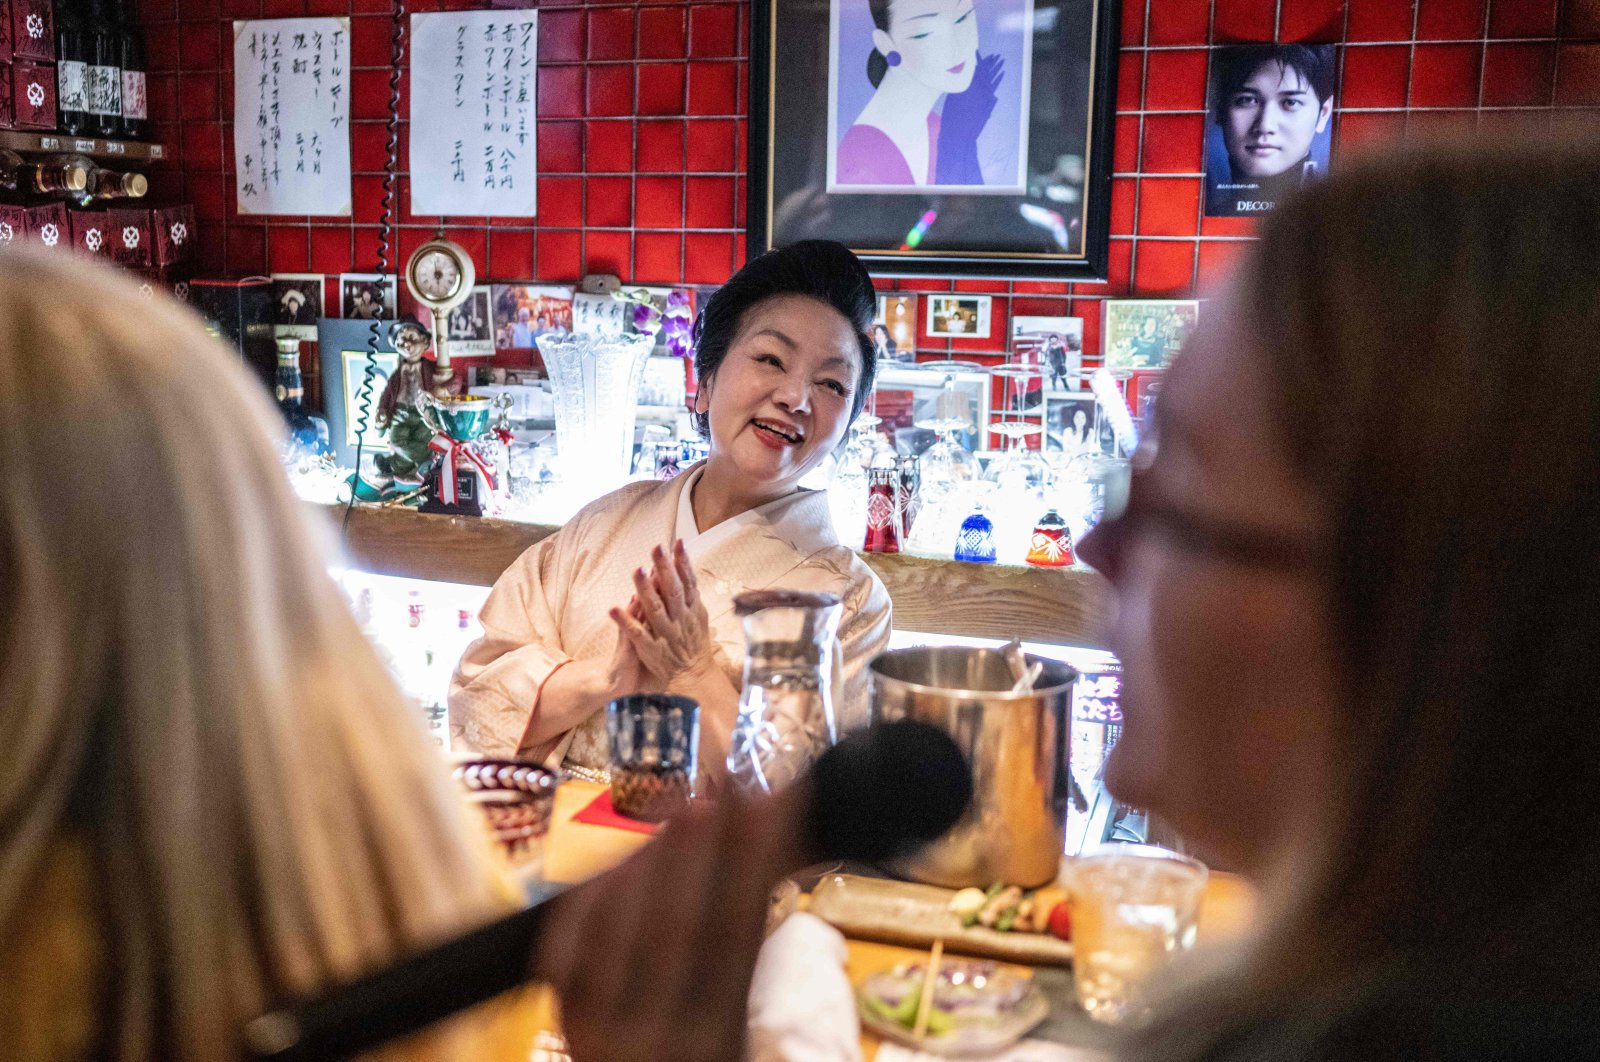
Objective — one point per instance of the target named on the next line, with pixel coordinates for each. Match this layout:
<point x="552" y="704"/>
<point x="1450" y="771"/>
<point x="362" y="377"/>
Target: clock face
<point x="437" y="275"/>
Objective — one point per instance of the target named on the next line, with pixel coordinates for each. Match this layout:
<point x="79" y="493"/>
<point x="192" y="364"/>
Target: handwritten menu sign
<point x="291" y="116"/>
<point x="473" y="75"/>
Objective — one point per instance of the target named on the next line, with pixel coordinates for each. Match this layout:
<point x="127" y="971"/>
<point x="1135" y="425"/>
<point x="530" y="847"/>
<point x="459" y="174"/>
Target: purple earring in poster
<point x="1267" y="125"/>
<point x="929" y="93"/>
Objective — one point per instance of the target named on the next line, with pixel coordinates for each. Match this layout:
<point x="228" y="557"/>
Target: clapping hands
<point x="665" y="627"/>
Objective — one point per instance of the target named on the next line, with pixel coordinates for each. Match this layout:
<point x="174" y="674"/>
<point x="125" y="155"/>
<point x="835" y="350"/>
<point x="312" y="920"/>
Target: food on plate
<point x="970" y="998"/>
<point x="1008" y="908"/>
<point x="1000" y="903"/>
<point x="1060" y="921"/>
<point x="967" y="903"/>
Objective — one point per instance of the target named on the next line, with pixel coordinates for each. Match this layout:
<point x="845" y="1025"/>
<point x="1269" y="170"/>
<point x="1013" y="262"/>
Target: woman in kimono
<point x="635" y="594"/>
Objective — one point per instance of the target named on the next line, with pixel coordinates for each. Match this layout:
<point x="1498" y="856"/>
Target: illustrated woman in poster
<point x="932" y="94"/>
<point x="1270" y="111"/>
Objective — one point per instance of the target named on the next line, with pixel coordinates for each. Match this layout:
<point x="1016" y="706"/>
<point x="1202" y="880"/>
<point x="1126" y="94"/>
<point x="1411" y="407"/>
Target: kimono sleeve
<point x="863" y="634"/>
<point x="495" y="690"/>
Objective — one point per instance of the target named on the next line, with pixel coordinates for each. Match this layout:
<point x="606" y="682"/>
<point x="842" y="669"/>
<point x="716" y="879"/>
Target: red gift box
<point x="128" y="234"/>
<point x="13" y="224"/>
<point x="7" y="117"/>
<point x="33" y="30"/>
<point x="174" y="232"/>
<point x="5" y="30"/>
<point x="91" y="233"/>
<point x="173" y="282"/>
<point x="33" y="95"/>
<point x="47" y="225"/>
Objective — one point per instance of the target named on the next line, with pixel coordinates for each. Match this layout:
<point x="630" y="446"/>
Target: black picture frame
<point x="342" y="347"/>
<point x="1069" y="110"/>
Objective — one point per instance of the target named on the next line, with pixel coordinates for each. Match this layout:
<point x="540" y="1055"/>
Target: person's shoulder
<point x="867" y="155"/>
<point x="622" y="502"/>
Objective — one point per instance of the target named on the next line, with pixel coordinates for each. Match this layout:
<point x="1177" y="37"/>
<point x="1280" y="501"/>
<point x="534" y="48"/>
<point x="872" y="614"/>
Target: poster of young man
<point x="1268" y="118"/>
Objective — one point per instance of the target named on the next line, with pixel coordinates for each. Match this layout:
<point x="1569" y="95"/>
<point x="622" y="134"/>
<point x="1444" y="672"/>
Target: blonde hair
<point x="184" y="693"/>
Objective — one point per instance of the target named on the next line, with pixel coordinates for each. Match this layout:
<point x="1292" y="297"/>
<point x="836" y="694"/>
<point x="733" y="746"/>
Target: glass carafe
<point x="786" y="714"/>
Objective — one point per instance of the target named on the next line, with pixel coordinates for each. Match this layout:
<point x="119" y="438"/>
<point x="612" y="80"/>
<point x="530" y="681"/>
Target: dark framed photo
<point x="967" y="137"/>
<point x="342" y="348"/>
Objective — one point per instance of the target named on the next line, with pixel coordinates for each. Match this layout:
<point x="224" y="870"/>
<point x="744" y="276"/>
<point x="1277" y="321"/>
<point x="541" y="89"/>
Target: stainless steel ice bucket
<point x="1017" y="746"/>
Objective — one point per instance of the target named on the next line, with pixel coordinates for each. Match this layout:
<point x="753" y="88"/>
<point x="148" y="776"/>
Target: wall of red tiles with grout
<point x="642" y="132"/>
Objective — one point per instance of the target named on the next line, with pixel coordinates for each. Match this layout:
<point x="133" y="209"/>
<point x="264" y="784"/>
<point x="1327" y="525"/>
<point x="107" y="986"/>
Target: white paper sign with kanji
<point x="473" y="76"/>
<point x="291" y="116"/>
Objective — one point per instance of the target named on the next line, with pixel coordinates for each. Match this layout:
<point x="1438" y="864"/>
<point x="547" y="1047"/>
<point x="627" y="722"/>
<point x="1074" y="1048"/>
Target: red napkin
<point x="599" y="812"/>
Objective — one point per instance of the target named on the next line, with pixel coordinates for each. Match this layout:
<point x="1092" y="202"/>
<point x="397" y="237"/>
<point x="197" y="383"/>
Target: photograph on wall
<point x="524" y="312"/>
<point x="943" y="137"/>
<point x="470" y="325"/>
<point x="958" y="316"/>
<point x="366" y="297"/>
<point x="1269" y="110"/>
<point x="1141" y="391"/>
<point x="1069" y="422"/>
<point x="1146" y="333"/>
<point x="894" y="330"/>
<point x="296" y="304"/>
<point x="925" y="94"/>
<point x="1054" y="344"/>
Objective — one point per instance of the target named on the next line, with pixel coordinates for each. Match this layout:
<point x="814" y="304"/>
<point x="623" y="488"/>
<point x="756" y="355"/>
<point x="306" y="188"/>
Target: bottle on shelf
<point x="105" y="70"/>
<point x="118" y="184"/>
<point x="304" y="429"/>
<point x="130" y="44"/>
<point x="22" y="179"/>
<point x="72" y="69"/>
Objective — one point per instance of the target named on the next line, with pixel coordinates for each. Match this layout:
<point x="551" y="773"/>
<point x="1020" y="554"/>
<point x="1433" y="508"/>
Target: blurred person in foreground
<point x="1395" y="731"/>
<point x="212" y="794"/>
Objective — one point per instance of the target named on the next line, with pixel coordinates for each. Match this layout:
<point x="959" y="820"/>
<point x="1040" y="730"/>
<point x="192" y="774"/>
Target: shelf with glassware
<point x="932" y="469"/>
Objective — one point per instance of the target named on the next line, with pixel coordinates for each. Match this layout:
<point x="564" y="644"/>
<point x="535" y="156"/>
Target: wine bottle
<point x="105" y="71"/>
<point x="290" y="392"/>
<point x="23" y="179"/>
<point x="72" y="69"/>
<point x="114" y="184"/>
<point x="135" y="115"/>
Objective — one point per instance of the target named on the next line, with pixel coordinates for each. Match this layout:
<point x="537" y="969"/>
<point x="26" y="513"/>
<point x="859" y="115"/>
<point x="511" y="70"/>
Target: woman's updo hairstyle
<point x="877" y="62"/>
<point x="820" y="269"/>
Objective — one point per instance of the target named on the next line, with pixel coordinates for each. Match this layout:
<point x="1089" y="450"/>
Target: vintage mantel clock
<point x="440" y="275"/>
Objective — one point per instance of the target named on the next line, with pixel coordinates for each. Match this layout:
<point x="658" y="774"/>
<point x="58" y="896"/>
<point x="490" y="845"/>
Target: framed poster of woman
<point x="968" y="137"/>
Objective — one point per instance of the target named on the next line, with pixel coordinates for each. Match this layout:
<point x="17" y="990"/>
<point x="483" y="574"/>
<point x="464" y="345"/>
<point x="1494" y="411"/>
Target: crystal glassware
<point x="786" y="715"/>
<point x="595" y="380"/>
<point x="655" y="741"/>
<point x="1134" y="909"/>
<point x="1051" y="546"/>
<point x="883" y="510"/>
<point x="975" y="540"/>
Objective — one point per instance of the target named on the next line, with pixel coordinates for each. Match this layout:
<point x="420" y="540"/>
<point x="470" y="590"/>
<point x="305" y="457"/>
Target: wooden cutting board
<point x="912" y="915"/>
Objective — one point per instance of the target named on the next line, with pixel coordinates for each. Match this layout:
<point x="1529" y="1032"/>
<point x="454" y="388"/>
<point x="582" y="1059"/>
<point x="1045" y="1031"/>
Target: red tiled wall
<point x="642" y="132"/>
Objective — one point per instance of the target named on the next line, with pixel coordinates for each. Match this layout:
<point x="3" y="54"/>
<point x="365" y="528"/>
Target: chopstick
<point x="925" y="1005"/>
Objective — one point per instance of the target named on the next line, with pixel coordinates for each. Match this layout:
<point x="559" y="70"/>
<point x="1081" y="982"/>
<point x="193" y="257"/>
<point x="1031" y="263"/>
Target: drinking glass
<point x="1133" y="910"/>
<point x="655" y="741"/>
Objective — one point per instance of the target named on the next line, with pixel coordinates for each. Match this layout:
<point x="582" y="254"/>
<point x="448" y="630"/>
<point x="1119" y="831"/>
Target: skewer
<point x="925" y="1005"/>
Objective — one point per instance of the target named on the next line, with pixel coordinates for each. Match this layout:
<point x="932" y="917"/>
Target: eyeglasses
<point x="1148" y="514"/>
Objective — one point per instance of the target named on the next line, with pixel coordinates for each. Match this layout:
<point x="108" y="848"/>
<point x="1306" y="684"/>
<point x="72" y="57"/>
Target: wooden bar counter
<point x="932" y="596"/>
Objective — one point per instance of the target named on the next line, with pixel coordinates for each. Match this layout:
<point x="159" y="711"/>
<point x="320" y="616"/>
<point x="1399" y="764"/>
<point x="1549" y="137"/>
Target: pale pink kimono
<point x="550" y="607"/>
